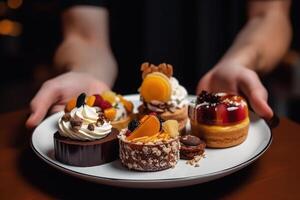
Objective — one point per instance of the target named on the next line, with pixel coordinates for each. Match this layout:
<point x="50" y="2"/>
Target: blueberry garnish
<point x="133" y="125"/>
<point x="80" y="100"/>
<point x="161" y="120"/>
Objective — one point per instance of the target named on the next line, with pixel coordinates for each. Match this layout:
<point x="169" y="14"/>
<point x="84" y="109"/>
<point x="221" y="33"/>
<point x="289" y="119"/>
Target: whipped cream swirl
<point x="178" y="99"/>
<point x="87" y="115"/>
<point x="179" y="94"/>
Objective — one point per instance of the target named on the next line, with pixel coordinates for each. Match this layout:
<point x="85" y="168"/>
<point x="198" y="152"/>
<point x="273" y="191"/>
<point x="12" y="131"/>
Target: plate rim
<point x="189" y="178"/>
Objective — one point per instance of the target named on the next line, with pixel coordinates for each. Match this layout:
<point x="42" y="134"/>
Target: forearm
<point x="85" y="50"/>
<point x="262" y="42"/>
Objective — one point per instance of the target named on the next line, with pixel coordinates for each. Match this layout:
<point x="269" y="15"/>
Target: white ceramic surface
<point x="218" y="162"/>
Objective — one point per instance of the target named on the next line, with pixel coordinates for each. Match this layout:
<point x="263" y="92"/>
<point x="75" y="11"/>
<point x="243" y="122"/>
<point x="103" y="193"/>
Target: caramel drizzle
<point x="164" y="68"/>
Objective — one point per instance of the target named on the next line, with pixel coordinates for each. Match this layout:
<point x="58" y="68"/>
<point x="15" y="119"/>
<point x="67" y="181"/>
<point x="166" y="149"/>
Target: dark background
<point x="30" y="32"/>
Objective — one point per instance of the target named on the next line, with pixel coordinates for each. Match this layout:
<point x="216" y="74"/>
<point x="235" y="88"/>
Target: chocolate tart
<point x="149" y="157"/>
<point x="86" y="153"/>
<point x="190" y="147"/>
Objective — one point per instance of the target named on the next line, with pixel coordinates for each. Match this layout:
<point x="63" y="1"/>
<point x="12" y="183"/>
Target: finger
<point x="203" y="84"/>
<point x="57" y="108"/>
<point x="256" y="93"/>
<point x="46" y="96"/>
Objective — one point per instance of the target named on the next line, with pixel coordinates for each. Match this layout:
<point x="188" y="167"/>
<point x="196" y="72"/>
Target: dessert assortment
<point x="85" y="135"/>
<point x="161" y="93"/>
<point x="220" y="119"/>
<point x="150" y="144"/>
<point x="100" y="128"/>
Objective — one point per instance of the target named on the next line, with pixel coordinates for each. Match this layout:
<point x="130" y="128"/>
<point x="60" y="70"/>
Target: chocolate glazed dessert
<point x="85" y="136"/>
<point x="86" y="153"/>
<point x="190" y="147"/>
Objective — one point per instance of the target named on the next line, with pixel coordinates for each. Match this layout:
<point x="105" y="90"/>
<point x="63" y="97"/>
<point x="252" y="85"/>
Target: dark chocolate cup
<point x="86" y="153"/>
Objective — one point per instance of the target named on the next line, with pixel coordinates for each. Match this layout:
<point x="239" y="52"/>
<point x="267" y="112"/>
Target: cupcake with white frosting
<point x="161" y="93"/>
<point x="85" y="137"/>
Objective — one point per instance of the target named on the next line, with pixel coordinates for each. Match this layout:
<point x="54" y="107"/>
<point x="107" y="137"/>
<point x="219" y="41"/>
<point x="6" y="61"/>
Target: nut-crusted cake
<point x="149" y="144"/>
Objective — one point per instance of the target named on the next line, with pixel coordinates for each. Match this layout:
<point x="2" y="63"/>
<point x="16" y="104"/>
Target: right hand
<point x="233" y="78"/>
<point x="56" y="92"/>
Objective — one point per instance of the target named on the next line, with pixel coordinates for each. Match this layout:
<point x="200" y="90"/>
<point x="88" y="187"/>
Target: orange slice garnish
<point x="70" y="105"/>
<point x="149" y="127"/>
<point x="90" y="100"/>
<point x="156" y="86"/>
<point x="110" y="113"/>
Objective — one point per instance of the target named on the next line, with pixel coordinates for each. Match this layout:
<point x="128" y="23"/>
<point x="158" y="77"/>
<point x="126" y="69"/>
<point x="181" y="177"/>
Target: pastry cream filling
<point x="88" y="115"/>
<point x="179" y="94"/>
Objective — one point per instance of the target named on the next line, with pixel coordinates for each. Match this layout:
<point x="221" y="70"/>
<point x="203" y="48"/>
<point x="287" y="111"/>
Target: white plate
<point x="218" y="162"/>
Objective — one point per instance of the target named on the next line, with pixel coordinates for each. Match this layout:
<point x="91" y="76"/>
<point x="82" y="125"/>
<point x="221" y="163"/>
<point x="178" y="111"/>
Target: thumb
<point x="40" y="104"/>
<point x="57" y="108"/>
<point x="260" y="106"/>
<point x="256" y="93"/>
<point x="203" y="84"/>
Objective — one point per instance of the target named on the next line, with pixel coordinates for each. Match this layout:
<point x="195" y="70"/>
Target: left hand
<point x="233" y="78"/>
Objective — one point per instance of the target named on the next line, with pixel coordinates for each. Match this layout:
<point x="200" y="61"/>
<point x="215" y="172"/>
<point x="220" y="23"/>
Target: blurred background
<point x="30" y="32"/>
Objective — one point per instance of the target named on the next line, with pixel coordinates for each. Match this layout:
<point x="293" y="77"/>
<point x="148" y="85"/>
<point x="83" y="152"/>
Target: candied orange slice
<point x="90" y="100"/>
<point x="162" y="135"/>
<point x="128" y="105"/>
<point x="140" y="139"/>
<point x="166" y="137"/>
<point x="109" y="96"/>
<point x="70" y="105"/>
<point x="156" y="86"/>
<point x="149" y="127"/>
<point x="144" y="118"/>
<point x="152" y="138"/>
<point x="110" y="113"/>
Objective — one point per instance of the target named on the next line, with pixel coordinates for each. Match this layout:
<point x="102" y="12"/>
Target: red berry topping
<point x="98" y="100"/>
<point x="105" y="105"/>
<point x="220" y="109"/>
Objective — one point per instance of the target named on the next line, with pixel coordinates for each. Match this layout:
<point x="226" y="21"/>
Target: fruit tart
<point x="161" y="93"/>
<point x="85" y="137"/>
<point x="115" y="107"/>
<point x="220" y="119"/>
<point x="149" y="144"/>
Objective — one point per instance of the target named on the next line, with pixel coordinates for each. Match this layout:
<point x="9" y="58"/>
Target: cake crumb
<point x="195" y="161"/>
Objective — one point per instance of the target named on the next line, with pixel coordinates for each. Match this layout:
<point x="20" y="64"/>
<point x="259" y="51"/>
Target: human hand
<point x="56" y="92"/>
<point x="238" y="79"/>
